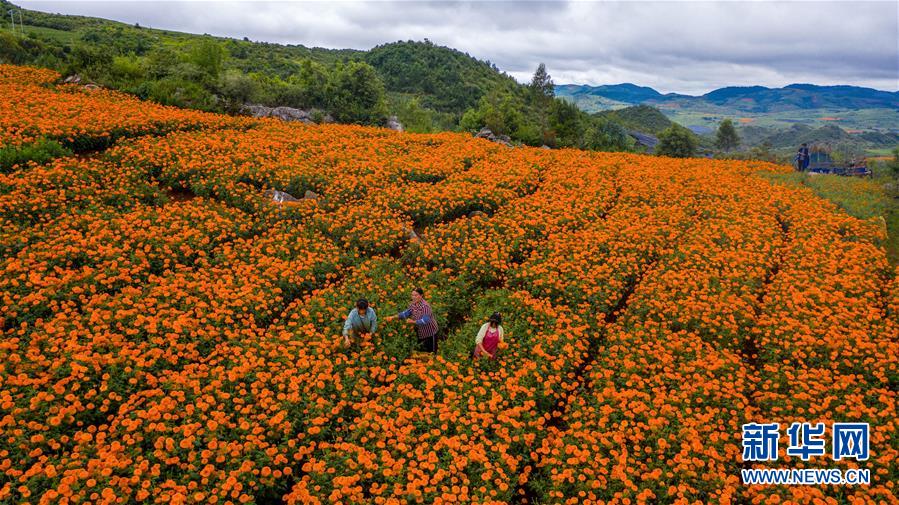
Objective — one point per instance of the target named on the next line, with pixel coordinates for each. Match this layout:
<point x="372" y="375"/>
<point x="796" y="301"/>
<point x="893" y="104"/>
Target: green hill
<point x="447" y="80"/>
<point x="626" y="93"/>
<point x="642" y="118"/>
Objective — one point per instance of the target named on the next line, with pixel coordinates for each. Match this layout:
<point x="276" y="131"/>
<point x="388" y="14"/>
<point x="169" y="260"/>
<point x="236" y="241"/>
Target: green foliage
<point x="310" y="85"/>
<point x="90" y="61"/>
<point x="417" y="118"/>
<point x="541" y="92"/>
<point x="127" y="69"/>
<point x="893" y="164"/>
<point x="180" y="92"/>
<point x="605" y="135"/>
<point x="356" y="94"/>
<point x="237" y="88"/>
<point x="41" y="151"/>
<point x="444" y="79"/>
<point x="118" y="39"/>
<point x="203" y="72"/>
<point x="502" y="113"/>
<point x="542" y="87"/>
<point x="11" y="50"/>
<point x="726" y="137"/>
<point x="677" y="142"/>
<point x="160" y="61"/>
<point x="564" y="126"/>
<point x="209" y="56"/>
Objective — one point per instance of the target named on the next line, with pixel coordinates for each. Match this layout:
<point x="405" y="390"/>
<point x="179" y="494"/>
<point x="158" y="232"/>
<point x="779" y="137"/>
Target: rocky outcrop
<point x="285" y="198"/>
<point x="281" y="196"/>
<point x="487" y="134"/>
<point x="394" y="124"/>
<point x="282" y="113"/>
<point x="77" y="79"/>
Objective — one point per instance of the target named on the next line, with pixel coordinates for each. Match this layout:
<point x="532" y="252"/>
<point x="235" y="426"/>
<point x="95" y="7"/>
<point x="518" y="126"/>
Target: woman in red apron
<point x="489" y="337"/>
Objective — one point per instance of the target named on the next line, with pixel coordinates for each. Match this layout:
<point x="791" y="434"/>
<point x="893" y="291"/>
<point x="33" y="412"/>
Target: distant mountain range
<point x="780" y="118"/>
<point x="750" y="99"/>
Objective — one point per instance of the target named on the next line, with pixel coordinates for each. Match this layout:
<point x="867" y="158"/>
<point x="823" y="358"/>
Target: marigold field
<point x="170" y="335"/>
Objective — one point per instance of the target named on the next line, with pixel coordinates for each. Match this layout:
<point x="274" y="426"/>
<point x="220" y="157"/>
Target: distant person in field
<point x="419" y="314"/>
<point x="489" y="336"/>
<point x="362" y="320"/>
<point x="802" y="158"/>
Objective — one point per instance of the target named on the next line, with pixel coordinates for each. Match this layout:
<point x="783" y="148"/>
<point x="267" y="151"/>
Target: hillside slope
<point x="428" y="87"/>
<point x="444" y="79"/>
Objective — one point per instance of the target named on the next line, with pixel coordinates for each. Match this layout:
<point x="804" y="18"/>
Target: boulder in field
<point x="487" y="133"/>
<point x="283" y="113"/>
<point x="281" y="196"/>
<point x="394" y="124"/>
<point x="503" y="139"/>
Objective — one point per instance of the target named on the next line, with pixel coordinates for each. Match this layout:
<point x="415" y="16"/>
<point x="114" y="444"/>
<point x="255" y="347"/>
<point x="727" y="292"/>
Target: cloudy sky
<point x="674" y="46"/>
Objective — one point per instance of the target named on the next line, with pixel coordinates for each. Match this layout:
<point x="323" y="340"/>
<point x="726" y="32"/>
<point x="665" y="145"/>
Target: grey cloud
<point x="687" y="47"/>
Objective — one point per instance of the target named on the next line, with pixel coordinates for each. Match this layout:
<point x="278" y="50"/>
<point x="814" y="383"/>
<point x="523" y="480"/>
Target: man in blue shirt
<point x="360" y="321"/>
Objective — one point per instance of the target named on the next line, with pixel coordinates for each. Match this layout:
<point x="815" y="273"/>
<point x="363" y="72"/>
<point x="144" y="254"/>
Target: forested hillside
<point x="427" y="86"/>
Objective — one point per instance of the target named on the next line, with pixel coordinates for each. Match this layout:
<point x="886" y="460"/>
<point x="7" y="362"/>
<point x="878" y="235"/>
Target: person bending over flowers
<point x="419" y="314"/>
<point x="489" y="336"/>
<point x="361" y="320"/>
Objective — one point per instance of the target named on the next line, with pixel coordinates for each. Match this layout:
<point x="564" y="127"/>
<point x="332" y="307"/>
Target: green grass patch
<point x="41" y="151"/>
<point x="61" y="36"/>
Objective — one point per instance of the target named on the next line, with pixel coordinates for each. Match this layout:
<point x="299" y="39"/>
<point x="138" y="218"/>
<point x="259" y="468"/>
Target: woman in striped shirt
<point x="419" y="313"/>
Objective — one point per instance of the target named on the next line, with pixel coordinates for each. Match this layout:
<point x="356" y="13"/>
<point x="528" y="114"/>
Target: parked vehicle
<point x="821" y="161"/>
